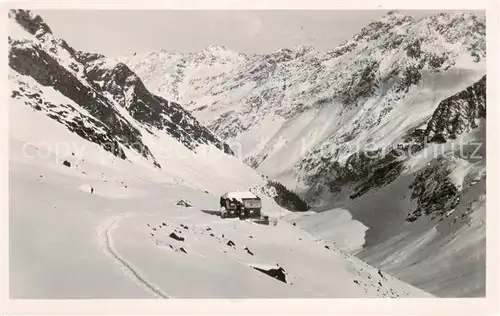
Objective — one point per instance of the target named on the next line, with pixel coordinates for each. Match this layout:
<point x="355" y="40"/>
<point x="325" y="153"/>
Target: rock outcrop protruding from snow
<point x="458" y="114"/>
<point x="118" y="108"/>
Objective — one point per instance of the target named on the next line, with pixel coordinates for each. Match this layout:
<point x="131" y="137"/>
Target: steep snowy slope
<point x="427" y="226"/>
<point x="423" y="200"/>
<point x="107" y="90"/>
<point x="97" y="167"/>
<point x="171" y="73"/>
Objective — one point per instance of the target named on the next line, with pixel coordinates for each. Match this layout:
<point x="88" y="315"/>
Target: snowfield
<point x="127" y="238"/>
<point x="114" y="189"/>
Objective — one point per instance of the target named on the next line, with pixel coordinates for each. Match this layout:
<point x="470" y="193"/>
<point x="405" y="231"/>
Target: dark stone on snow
<point x="67" y="163"/>
<point x="248" y="250"/>
<point x="230" y="243"/>
<point x="278" y="273"/>
<point x="183" y="203"/>
<point x="176" y="237"/>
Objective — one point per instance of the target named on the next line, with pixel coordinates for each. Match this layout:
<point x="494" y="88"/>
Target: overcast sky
<point x="124" y="32"/>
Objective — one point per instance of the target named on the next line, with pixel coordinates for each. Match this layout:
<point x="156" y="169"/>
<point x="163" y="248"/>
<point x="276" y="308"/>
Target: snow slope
<point x="443" y="248"/>
<point x="67" y="242"/>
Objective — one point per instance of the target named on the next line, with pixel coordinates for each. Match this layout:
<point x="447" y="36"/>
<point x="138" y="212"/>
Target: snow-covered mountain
<point x="384" y="126"/>
<point x="108" y="91"/>
<point x="107" y="186"/>
<point x="293" y="108"/>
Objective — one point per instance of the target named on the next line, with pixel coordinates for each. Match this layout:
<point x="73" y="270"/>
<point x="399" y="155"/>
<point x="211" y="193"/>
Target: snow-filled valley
<point x="117" y="166"/>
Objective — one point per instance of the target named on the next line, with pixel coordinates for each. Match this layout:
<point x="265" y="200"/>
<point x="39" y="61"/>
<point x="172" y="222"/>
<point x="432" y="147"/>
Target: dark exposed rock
<point x="458" y="114"/>
<point x="95" y="84"/>
<point x="181" y="249"/>
<point x="434" y="192"/>
<point x="364" y="171"/>
<point x="230" y="243"/>
<point x="31" y="22"/>
<point x="66" y="163"/>
<point x="278" y="273"/>
<point x="248" y="251"/>
<point x="287" y="198"/>
<point x="183" y="203"/>
<point x="173" y="235"/>
<point x="129" y="91"/>
<point x="31" y="60"/>
<point x="410" y="76"/>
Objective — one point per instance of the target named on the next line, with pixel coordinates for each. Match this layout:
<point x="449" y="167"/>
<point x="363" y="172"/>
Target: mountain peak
<point x="395" y="15"/>
<point x="216" y="49"/>
<point x="389" y="22"/>
<point x="33" y="23"/>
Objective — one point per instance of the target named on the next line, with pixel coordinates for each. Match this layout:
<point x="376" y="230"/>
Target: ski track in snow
<point x="108" y="247"/>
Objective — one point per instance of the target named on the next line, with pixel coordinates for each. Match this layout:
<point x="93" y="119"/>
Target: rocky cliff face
<point x="458" y="114"/>
<point x="117" y="105"/>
